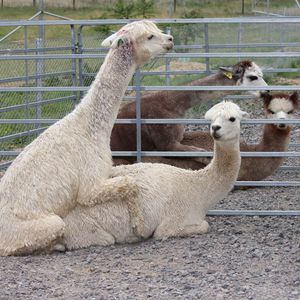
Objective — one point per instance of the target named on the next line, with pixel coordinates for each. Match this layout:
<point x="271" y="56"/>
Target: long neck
<point x="221" y="173"/>
<point x="100" y="106"/>
<point x="274" y="139"/>
<point x="183" y="100"/>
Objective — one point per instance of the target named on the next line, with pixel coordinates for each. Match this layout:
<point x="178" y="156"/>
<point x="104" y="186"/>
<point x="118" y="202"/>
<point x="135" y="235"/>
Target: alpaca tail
<point x="21" y="237"/>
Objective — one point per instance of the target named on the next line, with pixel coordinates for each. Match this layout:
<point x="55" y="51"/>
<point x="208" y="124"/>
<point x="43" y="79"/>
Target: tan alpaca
<point x="275" y="137"/>
<point x="69" y="164"/>
<point x="170" y="201"/>
<point x="172" y="105"/>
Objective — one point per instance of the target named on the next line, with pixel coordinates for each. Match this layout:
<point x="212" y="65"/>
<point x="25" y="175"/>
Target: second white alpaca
<point x="170" y="201"/>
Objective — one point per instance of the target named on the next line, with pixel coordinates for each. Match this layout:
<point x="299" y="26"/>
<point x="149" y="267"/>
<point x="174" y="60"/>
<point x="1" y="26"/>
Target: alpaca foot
<point x="120" y="188"/>
<point x="59" y="248"/>
<point x="196" y="149"/>
<point x="200" y="159"/>
<point x="203" y="160"/>
<point x="172" y="230"/>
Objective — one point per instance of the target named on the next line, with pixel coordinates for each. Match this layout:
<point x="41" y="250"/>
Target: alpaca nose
<point x="170" y="39"/>
<point x="215" y="127"/>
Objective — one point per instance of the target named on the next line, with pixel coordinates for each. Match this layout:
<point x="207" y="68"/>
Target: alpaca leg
<point x="202" y="159"/>
<point x="30" y="236"/>
<point x="120" y="188"/>
<point x="123" y="188"/>
<point x="181" y="147"/>
<point x="165" y="231"/>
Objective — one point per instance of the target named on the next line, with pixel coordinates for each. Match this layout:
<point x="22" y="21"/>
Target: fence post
<point x="239" y="40"/>
<point x="168" y="60"/>
<point x="207" y="71"/>
<point x="39" y="66"/>
<point x="38" y="79"/>
<point x="26" y="110"/>
<point x="80" y="60"/>
<point x="137" y="83"/>
<point x="73" y="48"/>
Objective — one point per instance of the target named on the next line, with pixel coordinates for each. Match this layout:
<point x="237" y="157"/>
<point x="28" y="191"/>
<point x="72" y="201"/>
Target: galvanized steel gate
<point x="42" y="93"/>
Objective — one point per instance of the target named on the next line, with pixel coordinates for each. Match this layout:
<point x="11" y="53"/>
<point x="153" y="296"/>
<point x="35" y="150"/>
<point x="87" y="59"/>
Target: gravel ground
<point x="240" y="257"/>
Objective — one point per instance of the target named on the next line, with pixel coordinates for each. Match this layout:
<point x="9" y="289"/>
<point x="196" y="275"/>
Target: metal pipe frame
<point x="167" y="55"/>
<point x="244" y="20"/>
<point x="77" y="54"/>
<point x="155" y="88"/>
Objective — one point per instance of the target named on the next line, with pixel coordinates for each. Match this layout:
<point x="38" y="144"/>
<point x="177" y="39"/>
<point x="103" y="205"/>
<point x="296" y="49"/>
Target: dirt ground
<point x="247" y="257"/>
<point x="240" y="258"/>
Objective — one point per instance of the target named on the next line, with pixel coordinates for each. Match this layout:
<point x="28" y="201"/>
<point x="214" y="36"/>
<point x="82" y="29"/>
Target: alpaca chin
<point x="282" y="126"/>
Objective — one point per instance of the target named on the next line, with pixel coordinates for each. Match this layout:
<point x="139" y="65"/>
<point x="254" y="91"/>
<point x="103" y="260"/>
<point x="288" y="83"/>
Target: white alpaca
<point x="170" y="201"/>
<point x="69" y="164"/>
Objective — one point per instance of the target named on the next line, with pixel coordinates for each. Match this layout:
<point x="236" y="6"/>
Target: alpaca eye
<point x="232" y="119"/>
<point x="252" y="77"/>
<point x="150" y="37"/>
<point x="271" y="111"/>
<point x="290" y="112"/>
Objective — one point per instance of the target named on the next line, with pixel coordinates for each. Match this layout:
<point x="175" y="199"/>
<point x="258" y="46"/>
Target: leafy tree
<point x="144" y="8"/>
<point x="124" y="9"/>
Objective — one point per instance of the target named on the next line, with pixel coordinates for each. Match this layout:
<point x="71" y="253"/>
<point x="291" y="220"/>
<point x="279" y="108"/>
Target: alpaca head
<point x="225" y="120"/>
<point x="280" y="106"/>
<point x="245" y="73"/>
<point x="147" y="40"/>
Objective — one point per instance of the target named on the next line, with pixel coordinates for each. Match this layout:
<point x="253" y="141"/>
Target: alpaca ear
<point x="267" y="97"/>
<point x="208" y="115"/>
<point x="115" y="40"/>
<point x="295" y="99"/>
<point x="245" y="115"/>
<point x="227" y="71"/>
<point x="108" y="41"/>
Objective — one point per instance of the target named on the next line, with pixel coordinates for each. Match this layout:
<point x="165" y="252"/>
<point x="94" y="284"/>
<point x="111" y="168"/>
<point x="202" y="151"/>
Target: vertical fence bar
<point x="137" y="83"/>
<point x="80" y="60"/>
<point x="73" y="49"/>
<point x="239" y="40"/>
<point x="206" y="39"/>
<point x="168" y="60"/>
<point x="40" y="62"/>
<point x="38" y="79"/>
<point x="26" y="113"/>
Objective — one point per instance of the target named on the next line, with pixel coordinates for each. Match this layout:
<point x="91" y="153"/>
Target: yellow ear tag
<point x="228" y="75"/>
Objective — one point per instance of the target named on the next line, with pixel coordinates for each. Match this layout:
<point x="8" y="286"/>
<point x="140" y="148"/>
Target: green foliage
<point x="124" y="9"/>
<point x="129" y="9"/>
<point x="194" y="13"/>
<point x="144" y="8"/>
<point x="103" y="29"/>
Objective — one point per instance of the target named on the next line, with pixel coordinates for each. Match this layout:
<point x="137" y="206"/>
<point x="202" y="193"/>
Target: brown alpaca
<point x="174" y="104"/>
<point x="275" y="138"/>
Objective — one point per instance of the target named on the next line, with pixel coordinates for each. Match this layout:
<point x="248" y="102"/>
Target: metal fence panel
<point x="42" y="80"/>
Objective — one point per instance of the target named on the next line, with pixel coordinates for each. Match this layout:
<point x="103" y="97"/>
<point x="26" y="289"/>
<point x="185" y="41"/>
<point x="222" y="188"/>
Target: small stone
<point x="219" y="296"/>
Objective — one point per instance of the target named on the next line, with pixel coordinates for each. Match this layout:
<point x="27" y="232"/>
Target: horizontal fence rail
<point x="168" y="55"/>
<point x="155" y="88"/>
<point x="154" y="121"/>
<point x="79" y="52"/>
<point x="243" y="20"/>
<point x="175" y="153"/>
